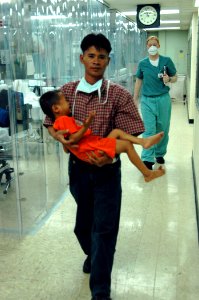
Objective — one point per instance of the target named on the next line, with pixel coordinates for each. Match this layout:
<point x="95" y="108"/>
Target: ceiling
<point x="186" y="8"/>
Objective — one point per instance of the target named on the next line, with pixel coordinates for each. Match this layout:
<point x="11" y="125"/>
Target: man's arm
<point x="137" y="88"/>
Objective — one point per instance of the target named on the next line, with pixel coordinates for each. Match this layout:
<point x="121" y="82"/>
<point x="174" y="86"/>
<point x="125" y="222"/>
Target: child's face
<point x="64" y="108"/>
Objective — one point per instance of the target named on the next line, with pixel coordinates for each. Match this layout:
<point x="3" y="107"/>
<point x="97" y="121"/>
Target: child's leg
<point x="128" y="148"/>
<point x="144" y="142"/>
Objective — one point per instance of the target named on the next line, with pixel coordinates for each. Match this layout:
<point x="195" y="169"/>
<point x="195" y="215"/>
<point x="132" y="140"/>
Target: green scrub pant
<point x="156" y="114"/>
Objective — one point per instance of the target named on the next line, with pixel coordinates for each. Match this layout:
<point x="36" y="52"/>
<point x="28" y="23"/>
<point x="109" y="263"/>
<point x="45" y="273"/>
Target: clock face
<point x="147" y="15"/>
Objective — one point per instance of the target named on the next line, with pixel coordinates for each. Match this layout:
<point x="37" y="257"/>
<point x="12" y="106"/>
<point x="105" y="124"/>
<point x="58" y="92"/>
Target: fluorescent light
<point x="162" y="28"/>
<point x="197" y="3"/>
<point x="129" y="13"/>
<point x="170" y="22"/>
<point x="162" y="12"/>
<point x="169" y="11"/>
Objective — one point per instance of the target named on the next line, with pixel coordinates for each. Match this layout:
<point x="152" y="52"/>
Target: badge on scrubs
<point x="160" y="75"/>
<point x="164" y="72"/>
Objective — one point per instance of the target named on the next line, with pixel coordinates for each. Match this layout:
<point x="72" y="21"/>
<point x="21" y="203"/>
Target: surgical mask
<point x="153" y="50"/>
<point x="88" y="88"/>
<point x="85" y="87"/>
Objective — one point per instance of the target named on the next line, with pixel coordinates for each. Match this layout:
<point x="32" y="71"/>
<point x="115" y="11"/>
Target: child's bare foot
<point x="152" y="140"/>
<point x="154" y="174"/>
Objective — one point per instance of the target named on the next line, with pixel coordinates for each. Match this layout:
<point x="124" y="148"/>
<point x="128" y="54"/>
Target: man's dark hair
<point x="47" y="100"/>
<point x="99" y="41"/>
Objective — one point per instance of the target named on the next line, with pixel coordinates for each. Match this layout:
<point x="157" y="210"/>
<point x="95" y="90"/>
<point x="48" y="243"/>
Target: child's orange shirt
<point x="89" y="142"/>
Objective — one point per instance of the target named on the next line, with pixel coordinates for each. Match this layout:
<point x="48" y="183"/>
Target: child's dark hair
<point x="99" y="41"/>
<point x="47" y="100"/>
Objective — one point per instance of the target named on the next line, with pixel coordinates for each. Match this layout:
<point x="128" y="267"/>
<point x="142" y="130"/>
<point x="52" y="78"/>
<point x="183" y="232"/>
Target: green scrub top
<point x="152" y="85"/>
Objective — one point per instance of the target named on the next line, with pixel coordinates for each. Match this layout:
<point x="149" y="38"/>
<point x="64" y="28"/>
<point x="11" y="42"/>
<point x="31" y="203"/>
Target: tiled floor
<point x="157" y="253"/>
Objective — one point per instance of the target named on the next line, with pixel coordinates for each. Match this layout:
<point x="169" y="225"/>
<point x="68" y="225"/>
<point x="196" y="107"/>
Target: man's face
<point x="95" y="63"/>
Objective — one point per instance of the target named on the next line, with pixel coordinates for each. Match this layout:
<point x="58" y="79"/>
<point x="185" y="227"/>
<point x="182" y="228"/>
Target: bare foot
<point x="152" y="140"/>
<point x="154" y="174"/>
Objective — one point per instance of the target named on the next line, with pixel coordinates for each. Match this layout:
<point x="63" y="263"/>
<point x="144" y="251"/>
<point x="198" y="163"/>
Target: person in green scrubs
<point x="152" y="77"/>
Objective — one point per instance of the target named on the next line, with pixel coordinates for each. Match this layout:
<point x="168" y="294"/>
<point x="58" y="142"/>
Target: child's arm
<point x="74" y="138"/>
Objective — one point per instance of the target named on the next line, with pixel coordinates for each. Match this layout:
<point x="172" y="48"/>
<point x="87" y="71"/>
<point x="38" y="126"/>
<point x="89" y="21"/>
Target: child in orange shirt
<point x="55" y="106"/>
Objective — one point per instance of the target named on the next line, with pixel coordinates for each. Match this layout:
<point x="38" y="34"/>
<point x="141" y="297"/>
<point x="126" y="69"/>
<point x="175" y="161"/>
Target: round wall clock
<point x="148" y="15"/>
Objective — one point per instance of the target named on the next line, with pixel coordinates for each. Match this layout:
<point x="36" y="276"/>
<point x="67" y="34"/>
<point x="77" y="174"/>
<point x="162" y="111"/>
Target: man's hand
<point x="99" y="161"/>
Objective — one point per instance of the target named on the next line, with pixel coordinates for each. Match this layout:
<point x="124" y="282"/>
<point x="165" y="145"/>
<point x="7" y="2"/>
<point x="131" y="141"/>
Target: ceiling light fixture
<point x="197" y="3"/>
<point x="170" y="22"/>
<point x="162" y="12"/>
<point x="162" y="28"/>
<point x="169" y="11"/>
<point x="129" y="13"/>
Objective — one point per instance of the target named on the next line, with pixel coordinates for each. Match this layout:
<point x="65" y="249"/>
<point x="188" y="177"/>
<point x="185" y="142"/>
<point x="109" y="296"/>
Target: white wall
<point x="191" y="96"/>
<point x="196" y="141"/>
<point x="174" y="45"/>
<point x="196" y="146"/>
<point x="196" y="154"/>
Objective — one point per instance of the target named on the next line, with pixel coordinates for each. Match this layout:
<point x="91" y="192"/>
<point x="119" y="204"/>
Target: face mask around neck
<point x="88" y="88"/>
<point x="153" y="50"/>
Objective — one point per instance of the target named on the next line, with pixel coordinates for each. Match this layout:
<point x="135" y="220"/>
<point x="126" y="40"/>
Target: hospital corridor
<point x="157" y="250"/>
<point x="80" y="81"/>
